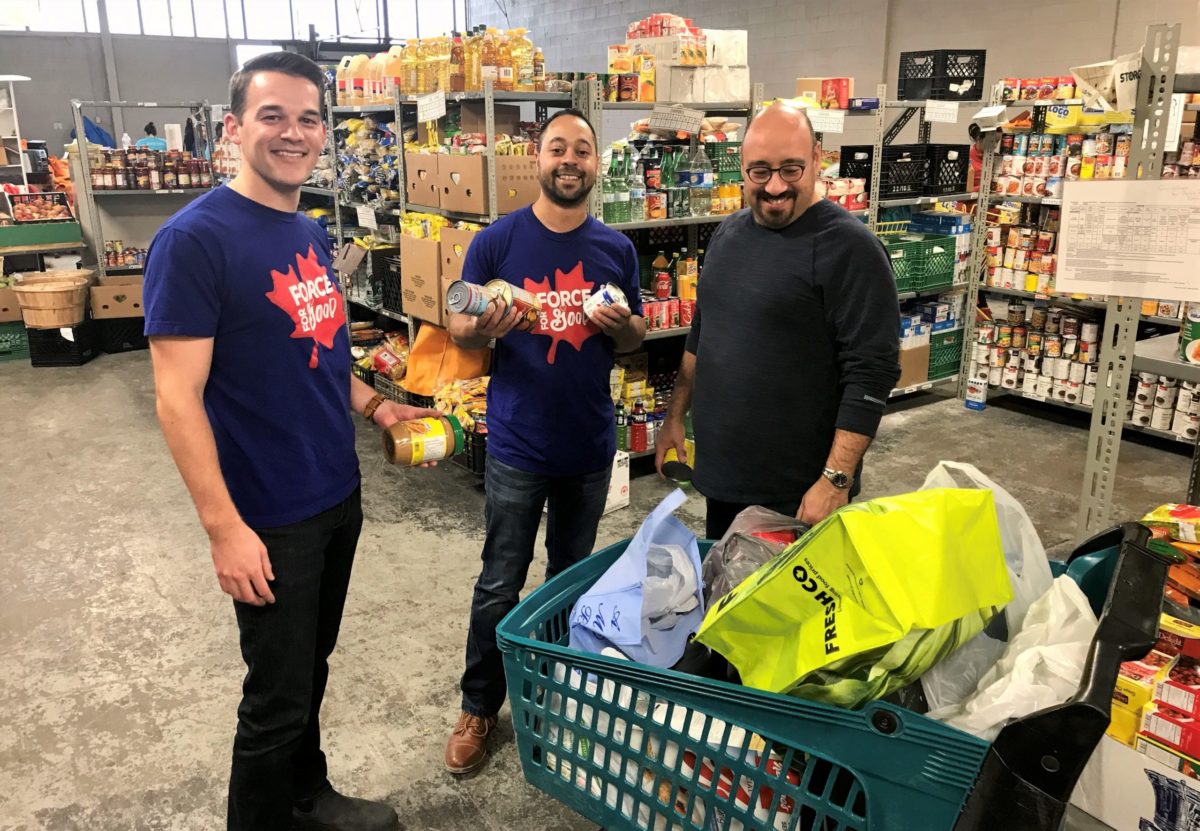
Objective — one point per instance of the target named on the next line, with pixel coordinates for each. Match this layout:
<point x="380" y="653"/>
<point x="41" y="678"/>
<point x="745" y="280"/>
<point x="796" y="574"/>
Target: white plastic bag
<point x="1041" y="667"/>
<point x="951" y="681"/>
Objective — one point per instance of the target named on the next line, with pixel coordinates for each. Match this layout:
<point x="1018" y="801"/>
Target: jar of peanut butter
<point x="423" y="440"/>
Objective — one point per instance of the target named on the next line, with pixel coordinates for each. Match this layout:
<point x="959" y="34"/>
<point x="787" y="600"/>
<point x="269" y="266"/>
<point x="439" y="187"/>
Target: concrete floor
<point x="119" y="667"/>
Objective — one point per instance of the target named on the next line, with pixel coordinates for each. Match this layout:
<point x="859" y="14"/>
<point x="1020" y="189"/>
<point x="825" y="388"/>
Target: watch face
<point x="840" y="480"/>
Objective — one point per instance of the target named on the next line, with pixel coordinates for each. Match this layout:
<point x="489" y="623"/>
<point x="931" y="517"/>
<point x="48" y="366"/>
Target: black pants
<point x="719" y="515"/>
<point x="277" y="755"/>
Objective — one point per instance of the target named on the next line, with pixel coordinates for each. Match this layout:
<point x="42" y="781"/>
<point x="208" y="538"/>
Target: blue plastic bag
<point x="611" y="612"/>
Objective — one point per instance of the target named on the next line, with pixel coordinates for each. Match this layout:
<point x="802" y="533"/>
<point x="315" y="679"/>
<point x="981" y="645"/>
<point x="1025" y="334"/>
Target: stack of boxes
<point x="689" y="65"/>
<point x="951" y="224"/>
<point x="1156" y="702"/>
<point x="431" y="259"/>
<point x="925" y="329"/>
<point x="831" y="93"/>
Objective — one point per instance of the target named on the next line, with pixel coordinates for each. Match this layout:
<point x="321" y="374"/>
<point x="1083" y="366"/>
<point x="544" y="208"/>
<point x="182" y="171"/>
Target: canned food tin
<point x="687" y="312"/>
<point x="1016" y="314"/>
<point x="526" y="304"/>
<point x="986" y="333"/>
<point x="1018" y="337"/>
<point x="1037" y="319"/>
<point x="1160" y="418"/>
<point x="1078" y="372"/>
<point x="467" y="298"/>
<point x="1070" y="346"/>
<point x="1020" y="260"/>
<point x="1010" y="257"/>
<point x="1052" y="345"/>
<point x="606" y="295"/>
<point x="1004" y="335"/>
<point x="997" y="355"/>
<point x="981" y="353"/>
<point x="1073" y="390"/>
<point x="995" y="376"/>
<point x="1020" y="145"/>
<point x="656" y="205"/>
<point x="1053" y="322"/>
<point x="1069" y="326"/>
<point x="1033" y="342"/>
<point x="1062" y="369"/>
<point x="1089" y="332"/>
<point x="1011" y="377"/>
<point x="662" y="285"/>
<point x="673" y="313"/>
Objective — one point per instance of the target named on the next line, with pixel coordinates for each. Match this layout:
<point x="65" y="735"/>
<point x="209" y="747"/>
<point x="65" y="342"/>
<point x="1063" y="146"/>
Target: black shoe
<point x="329" y="810"/>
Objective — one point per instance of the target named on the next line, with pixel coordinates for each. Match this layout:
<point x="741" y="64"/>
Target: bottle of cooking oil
<point x="539" y="70"/>
<point x="444" y="48"/>
<point x="409" y="62"/>
<point x="505" y="73"/>
<point x="471" y="61"/>
<point x="458" y="79"/>
<point x="522" y="60"/>
<point x="489" y="59"/>
<point x="424" y="65"/>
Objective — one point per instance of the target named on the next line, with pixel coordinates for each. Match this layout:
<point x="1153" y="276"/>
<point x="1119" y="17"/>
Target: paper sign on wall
<point x="666" y="119"/>
<point x="431" y="107"/>
<point x="941" y="112"/>
<point x="366" y="217"/>
<point x="827" y="121"/>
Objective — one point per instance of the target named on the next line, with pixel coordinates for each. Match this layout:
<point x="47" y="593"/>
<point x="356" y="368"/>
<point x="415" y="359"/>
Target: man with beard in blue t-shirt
<point x="252" y="378"/>
<point x="551" y="429"/>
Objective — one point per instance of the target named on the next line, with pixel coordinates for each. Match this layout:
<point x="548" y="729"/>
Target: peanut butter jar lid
<point x="456" y="427"/>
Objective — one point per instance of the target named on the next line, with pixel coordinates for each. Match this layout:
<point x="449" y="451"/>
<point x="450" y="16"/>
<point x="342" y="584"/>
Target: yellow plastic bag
<point x="862" y="579"/>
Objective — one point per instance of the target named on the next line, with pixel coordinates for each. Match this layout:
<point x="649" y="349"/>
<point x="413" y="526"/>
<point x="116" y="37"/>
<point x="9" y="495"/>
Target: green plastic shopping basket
<point x="634" y="747"/>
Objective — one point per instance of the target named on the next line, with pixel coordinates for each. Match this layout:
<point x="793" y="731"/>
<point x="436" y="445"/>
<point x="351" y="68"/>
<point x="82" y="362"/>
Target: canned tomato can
<point x="526" y="304"/>
<point x="687" y="312"/>
<point x="1004" y="335"/>
<point x="467" y="298"/>
<point x="606" y="295"/>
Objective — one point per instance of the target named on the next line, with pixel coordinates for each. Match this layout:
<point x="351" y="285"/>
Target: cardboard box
<point x="1121" y="787"/>
<point x="1136" y="680"/>
<point x="726" y="83"/>
<point x="809" y="88"/>
<point x="727" y="47"/>
<point x="474" y="118"/>
<point x="618" y="485"/>
<point x="453" y="250"/>
<point x="914" y="366"/>
<point x="1172" y="729"/>
<point x="1163" y="755"/>
<point x="667" y="50"/>
<point x="1180" y="690"/>
<point x="1123" y="725"/>
<point x="1178" y="637"/>
<point x="10" y="309"/>
<point x="463" y="183"/>
<point x="680" y="84"/>
<point x="421" y="179"/>
<point x="422" y="295"/>
<point x="836" y="93"/>
<point x="118" y="296"/>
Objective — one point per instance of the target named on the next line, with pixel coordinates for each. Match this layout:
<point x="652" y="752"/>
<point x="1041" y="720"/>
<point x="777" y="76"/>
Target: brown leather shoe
<point x="467" y="748"/>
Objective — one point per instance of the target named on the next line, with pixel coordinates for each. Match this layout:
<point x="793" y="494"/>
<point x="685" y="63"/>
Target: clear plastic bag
<point x="951" y="681"/>
<point x="753" y="539"/>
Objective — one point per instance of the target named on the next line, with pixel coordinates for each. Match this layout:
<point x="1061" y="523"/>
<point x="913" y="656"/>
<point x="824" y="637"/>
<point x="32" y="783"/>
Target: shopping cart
<point x="634" y="747"/>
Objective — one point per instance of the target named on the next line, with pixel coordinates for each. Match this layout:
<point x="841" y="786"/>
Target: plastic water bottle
<point x="701" y="188"/>
<point x="637" y="189"/>
<point x="126" y="141"/>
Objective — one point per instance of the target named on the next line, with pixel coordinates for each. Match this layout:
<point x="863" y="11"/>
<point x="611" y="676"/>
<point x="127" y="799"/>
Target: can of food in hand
<point x="527" y="305"/>
<point x="467" y="298"/>
<point x="687" y="312"/>
<point x="1052" y="345"/>
<point x="1004" y="335"/>
<point x="606" y="295"/>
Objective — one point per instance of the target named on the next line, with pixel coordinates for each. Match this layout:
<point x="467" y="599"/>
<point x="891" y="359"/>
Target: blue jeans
<point x="512" y="513"/>
<point x="277" y="757"/>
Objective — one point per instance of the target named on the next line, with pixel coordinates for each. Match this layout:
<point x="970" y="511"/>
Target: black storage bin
<point x="948" y="167"/>
<point x="48" y="347"/>
<point x="942" y="75"/>
<point x="902" y="174"/>
<point x="390" y="278"/>
<point x="473" y="459"/>
<point x="364" y="374"/>
<point x="122" y="334"/>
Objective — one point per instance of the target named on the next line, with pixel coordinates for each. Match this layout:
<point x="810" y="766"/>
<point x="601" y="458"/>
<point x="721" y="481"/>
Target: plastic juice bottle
<point x="622" y="428"/>
<point x="522" y="60"/>
<point x="458" y="79"/>
<point x="505" y="72"/>
<point x="683" y="271"/>
<point x="637" y="428"/>
<point x="489" y="60"/>
<point x="393" y="73"/>
<point x="539" y="70"/>
<point x="343" y="81"/>
<point x="358" y="80"/>
<point x="471" y="61"/>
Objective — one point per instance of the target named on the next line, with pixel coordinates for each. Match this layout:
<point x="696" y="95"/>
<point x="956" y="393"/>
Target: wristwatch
<point x="372" y="406"/>
<point x="837" y="478"/>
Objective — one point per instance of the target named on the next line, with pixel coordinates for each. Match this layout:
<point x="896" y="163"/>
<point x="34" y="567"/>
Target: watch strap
<point x="372" y="406"/>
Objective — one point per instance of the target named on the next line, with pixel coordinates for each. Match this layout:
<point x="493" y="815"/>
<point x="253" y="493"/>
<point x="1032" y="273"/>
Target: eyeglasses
<point x="761" y="174"/>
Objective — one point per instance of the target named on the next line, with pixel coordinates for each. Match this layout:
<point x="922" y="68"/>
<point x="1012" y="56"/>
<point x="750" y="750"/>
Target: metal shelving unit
<point x="1072" y="301"/>
<point x="924" y="386"/>
<point x="128" y="218"/>
<point x="13" y="170"/>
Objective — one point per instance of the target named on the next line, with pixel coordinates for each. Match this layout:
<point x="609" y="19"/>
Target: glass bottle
<point x="636" y="185"/>
<point x="608" y="190"/>
<point x="621" y="188"/>
<point x="183" y="173"/>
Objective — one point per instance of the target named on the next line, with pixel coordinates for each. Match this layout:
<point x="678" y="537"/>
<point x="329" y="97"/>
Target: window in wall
<point x="268" y="20"/>
<point x="123" y="17"/>
<point x="402" y="19"/>
<point x="43" y="15"/>
<point x="319" y="13"/>
<point x="182" y="24"/>
<point x="210" y="22"/>
<point x="359" y="18"/>
<point x="233" y="13"/>
<point x="91" y="15"/>
<point x="156" y="17"/>
<point x="250" y="51"/>
<point x="435" y="17"/>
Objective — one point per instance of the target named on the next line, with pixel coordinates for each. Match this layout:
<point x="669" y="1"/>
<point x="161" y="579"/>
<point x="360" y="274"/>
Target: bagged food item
<point x="1180" y="522"/>
<point x="861" y="581"/>
<point x="755" y="536"/>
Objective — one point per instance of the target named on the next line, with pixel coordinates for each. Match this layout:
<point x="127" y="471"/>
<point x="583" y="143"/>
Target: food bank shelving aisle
<point x="132" y="216"/>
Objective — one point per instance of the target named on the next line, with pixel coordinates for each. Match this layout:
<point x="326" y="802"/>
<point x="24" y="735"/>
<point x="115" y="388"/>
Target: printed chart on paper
<point x="1131" y="238"/>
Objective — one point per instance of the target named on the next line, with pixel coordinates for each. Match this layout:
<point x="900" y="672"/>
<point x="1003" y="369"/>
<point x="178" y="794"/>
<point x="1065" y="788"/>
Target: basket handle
<point x="1035" y="762"/>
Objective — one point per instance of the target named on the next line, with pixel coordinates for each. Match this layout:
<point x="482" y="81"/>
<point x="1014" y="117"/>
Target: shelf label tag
<point x="431" y="107"/>
<point x="827" y="121"/>
<point x="941" y="112"/>
<point x="675" y="119"/>
<point x="366" y="217"/>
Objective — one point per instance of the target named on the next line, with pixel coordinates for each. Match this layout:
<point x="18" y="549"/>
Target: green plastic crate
<point x="14" y="342"/>
<point x="625" y="744"/>
<point x="945" y="353"/>
<point x="920" y="262"/>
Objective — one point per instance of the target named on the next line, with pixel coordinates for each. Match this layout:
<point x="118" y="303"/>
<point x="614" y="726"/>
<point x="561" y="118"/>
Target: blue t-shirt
<point x="259" y="282"/>
<point x="550" y="410"/>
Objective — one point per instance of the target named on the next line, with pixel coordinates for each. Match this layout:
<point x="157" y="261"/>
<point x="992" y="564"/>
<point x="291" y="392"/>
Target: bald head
<point x="780" y="144"/>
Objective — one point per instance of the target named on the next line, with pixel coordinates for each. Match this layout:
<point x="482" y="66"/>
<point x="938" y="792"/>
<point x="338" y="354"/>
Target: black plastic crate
<point x="390" y="278"/>
<point x="942" y="75"/>
<point x="364" y="374"/>
<point x="902" y="174"/>
<point x="48" y="347"/>
<point x="473" y="459"/>
<point x="948" y="168"/>
<point x="415" y="399"/>
<point x="122" y="334"/>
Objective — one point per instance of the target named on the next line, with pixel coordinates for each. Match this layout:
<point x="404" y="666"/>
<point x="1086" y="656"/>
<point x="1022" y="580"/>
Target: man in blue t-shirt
<point x="551" y="432"/>
<point x="252" y="378"/>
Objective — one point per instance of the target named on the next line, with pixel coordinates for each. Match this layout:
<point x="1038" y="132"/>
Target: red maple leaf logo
<point x="562" y="317"/>
<point x="312" y="301"/>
